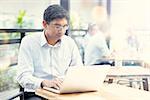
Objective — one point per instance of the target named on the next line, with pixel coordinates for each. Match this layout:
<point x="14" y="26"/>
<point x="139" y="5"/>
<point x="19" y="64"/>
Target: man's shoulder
<point x="31" y="39"/>
<point x="32" y="36"/>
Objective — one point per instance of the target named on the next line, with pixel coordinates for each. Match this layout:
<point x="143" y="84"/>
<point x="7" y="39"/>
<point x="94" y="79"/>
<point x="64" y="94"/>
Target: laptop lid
<point x="82" y="79"/>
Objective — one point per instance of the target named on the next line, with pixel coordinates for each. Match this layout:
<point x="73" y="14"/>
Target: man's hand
<point x="55" y="83"/>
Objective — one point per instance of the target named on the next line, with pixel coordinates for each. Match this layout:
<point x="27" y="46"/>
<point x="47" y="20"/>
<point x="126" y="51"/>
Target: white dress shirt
<point x="38" y="60"/>
<point x="96" y="49"/>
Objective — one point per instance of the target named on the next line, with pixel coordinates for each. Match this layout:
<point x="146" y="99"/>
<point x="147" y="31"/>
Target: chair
<point x="111" y="63"/>
<point x="132" y="82"/>
<point x="132" y="63"/>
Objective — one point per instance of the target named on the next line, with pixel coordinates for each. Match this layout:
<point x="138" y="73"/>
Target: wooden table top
<point x="107" y="92"/>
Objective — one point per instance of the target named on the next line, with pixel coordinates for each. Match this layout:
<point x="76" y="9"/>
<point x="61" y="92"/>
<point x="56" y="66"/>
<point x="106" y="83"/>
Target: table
<point x="131" y="72"/>
<point x="107" y="92"/>
<point x="121" y="61"/>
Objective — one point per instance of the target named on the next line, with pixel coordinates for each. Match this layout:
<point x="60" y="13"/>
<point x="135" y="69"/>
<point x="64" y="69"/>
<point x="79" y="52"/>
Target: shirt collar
<point x="43" y="41"/>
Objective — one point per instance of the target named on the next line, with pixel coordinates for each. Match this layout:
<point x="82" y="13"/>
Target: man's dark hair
<point x="55" y="12"/>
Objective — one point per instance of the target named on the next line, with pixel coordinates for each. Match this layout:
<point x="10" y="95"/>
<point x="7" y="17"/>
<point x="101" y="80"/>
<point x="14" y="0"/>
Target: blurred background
<point x="125" y="22"/>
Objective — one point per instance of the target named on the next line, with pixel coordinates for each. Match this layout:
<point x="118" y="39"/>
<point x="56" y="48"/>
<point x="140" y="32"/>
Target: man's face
<point x="94" y="30"/>
<point x="55" y="29"/>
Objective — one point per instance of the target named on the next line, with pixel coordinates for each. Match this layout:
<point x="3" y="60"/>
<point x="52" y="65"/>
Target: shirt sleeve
<point x="25" y="67"/>
<point x="102" y="47"/>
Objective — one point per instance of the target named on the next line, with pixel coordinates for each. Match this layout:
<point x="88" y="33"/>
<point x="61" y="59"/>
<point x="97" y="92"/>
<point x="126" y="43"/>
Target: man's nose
<point x="61" y="30"/>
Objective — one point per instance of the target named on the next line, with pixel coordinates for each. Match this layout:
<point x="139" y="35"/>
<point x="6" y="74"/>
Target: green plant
<point x="7" y="79"/>
<point x="20" y="18"/>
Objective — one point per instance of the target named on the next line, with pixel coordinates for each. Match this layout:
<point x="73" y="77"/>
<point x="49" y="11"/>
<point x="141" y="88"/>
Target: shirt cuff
<point x="38" y="83"/>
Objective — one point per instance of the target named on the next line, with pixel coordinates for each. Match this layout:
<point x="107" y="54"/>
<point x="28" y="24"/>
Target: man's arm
<point x="26" y="67"/>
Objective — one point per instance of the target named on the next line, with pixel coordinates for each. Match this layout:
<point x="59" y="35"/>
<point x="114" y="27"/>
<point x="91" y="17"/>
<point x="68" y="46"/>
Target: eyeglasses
<point x="60" y="27"/>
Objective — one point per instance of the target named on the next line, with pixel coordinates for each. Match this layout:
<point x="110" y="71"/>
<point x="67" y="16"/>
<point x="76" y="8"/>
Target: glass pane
<point x="8" y="85"/>
<point x="130" y="22"/>
<point x="86" y="13"/>
<point x="22" y="13"/>
<point x="83" y="12"/>
<point x="8" y="57"/>
<point x="8" y="54"/>
<point x="6" y="36"/>
<point x="19" y="14"/>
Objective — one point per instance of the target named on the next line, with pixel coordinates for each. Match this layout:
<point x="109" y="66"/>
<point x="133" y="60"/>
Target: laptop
<point x="82" y="79"/>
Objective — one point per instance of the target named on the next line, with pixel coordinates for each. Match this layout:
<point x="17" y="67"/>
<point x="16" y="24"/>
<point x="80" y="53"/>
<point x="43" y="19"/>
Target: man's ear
<point x="44" y="24"/>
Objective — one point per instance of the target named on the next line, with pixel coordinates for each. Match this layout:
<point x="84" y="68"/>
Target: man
<point x="96" y="50"/>
<point x="44" y="58"/>
<point x="91" y="31"/>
